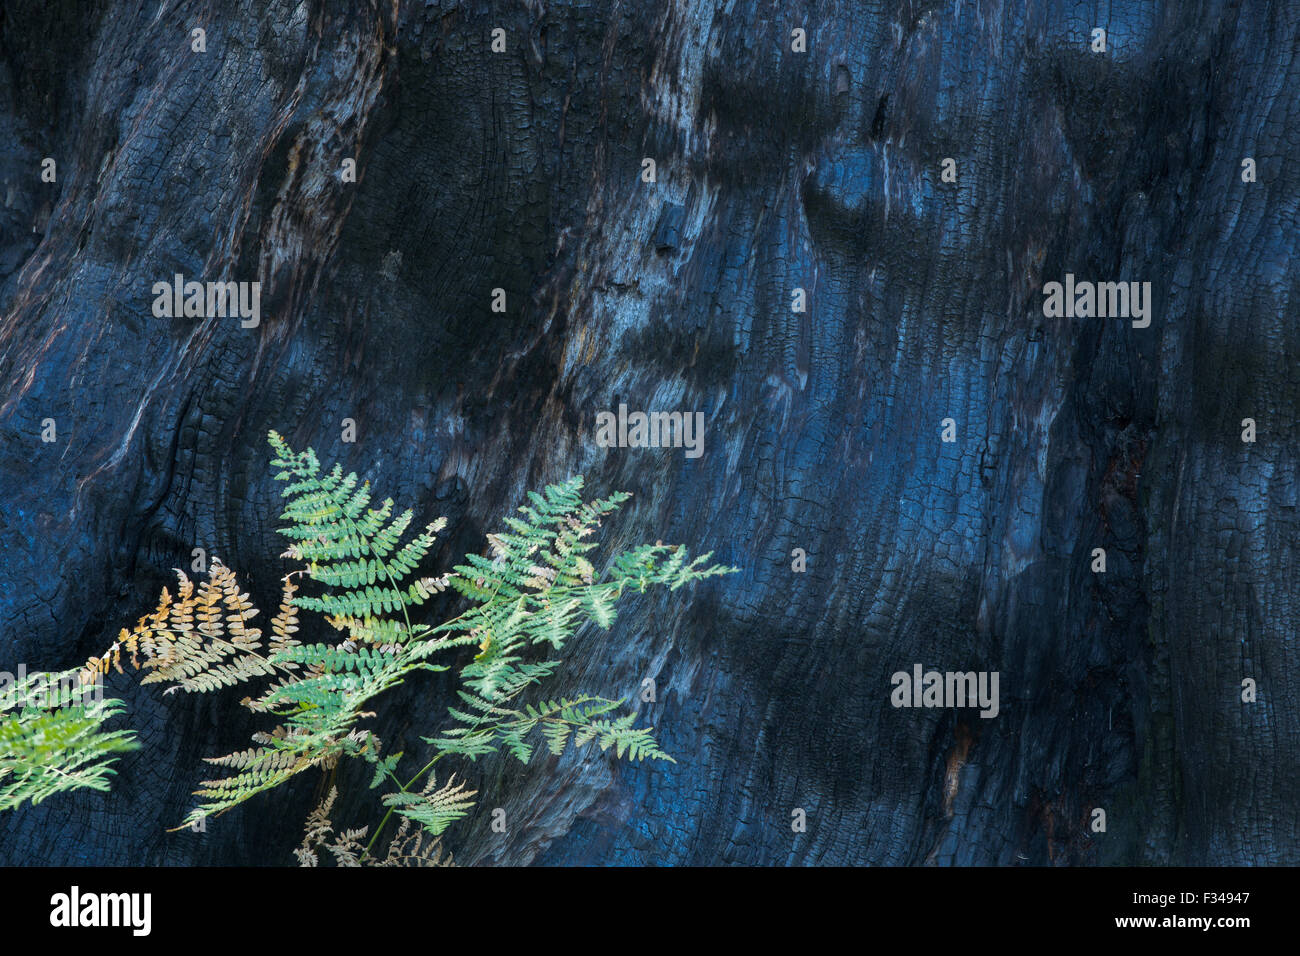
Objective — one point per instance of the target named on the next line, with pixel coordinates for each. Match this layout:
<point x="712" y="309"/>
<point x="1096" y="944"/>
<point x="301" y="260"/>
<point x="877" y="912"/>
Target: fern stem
<point x="429" y="766"/>
<point x="405" y="789"/>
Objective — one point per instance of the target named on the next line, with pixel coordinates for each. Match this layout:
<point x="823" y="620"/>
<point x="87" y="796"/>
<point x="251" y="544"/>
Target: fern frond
<point x="52" y="738"/>
<point x="637" y="743"/>
<point x="345" y="846"/>
<point x="415" y="848"/>
<point x="538" y="585"/>
<point x="264" y="768"/>
<point x="321" y="706"/>
<point x="489" y="728"/>
<point x="352" y="549"/>
<point x="200" y="641"/>
<point x="434" y="809"/>
<point x="285" y="623"/>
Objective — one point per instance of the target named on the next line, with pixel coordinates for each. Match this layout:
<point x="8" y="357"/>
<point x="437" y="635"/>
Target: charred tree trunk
<point x="775" y="170"/>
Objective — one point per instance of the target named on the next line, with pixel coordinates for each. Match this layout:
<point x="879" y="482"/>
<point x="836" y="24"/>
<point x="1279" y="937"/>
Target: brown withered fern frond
<point x="201" y="640"/>
<point x="416" y="849"/>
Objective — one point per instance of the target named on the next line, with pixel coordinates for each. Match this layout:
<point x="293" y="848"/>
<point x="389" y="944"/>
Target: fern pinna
<point x="535" y="588"/>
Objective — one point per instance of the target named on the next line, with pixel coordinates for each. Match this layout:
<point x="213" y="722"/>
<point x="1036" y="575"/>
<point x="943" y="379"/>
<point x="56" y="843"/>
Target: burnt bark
<point x="775" y="170"/>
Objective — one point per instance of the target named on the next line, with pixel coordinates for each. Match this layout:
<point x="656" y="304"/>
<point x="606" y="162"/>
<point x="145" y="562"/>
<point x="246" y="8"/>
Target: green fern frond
<point x="538" y="586"/>
<point x="637" y="743"/>
<point x="352" y="549"/>
<point x="52" y="738"/>
<point x="321" y="707"/>
<point x="490" y="728"/>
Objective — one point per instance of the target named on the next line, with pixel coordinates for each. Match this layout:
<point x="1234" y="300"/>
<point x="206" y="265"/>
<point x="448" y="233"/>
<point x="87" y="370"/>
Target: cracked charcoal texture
<point x="776" y="170"/>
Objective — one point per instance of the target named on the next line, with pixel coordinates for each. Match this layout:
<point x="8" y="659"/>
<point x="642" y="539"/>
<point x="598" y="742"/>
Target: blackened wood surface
<point x="775" y="170"/>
